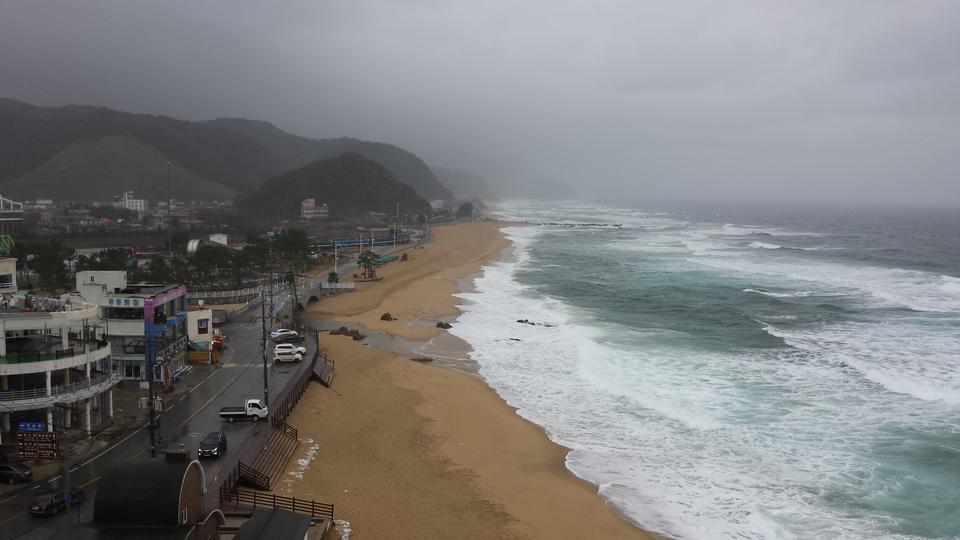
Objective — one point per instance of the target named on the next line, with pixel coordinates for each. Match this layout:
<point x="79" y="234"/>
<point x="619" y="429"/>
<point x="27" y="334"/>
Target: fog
<point x="814" y="100"/>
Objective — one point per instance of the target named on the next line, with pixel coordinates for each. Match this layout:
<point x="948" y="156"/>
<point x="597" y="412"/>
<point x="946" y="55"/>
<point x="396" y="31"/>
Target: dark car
<point x="213" y="445"/>
<point x="287" y="338"/>
<point x="15" y="472"/>
<point x="51" y="503"/>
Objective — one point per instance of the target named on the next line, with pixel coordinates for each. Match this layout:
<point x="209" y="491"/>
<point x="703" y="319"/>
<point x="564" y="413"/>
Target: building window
<point x="203" y="326"/>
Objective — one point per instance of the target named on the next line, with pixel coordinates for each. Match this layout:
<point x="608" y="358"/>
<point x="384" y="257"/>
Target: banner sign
<point x="34" y="444"/>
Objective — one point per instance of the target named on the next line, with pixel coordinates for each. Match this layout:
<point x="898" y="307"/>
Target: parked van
<point x="285" y="355"/>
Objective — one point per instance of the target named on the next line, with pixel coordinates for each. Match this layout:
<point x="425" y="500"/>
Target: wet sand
<point x="407" y="449"/>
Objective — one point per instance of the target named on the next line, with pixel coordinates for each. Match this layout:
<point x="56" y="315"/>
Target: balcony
<point x="50" y="357"/>
<point x="37" y="398"/>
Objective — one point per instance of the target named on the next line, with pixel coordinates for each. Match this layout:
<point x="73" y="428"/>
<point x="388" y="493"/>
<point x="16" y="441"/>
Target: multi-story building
<point x="131" y="311"/>
<point x="11" y="216"/>
<point x="309" y="209"/>
<point x="127" y="202"/>
<point x="54" y="372"/>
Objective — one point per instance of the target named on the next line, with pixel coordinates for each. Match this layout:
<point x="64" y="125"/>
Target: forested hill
<point x="295" y="151"/>
<point x="349" y="183"/>
<point x="44" y="151"/>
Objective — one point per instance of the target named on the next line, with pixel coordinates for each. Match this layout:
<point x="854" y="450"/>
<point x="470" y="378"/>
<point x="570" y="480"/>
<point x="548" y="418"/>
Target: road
<point x="184" y="421"/>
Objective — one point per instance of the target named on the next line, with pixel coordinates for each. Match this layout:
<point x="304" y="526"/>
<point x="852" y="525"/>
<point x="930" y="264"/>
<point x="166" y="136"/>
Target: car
<point x="280" y="331"/>
<point x="213" y="445"/>
<point x="287" y="355"/>
<point x="289" y="347"/>
<point x="51" y="503"/>
<point x="287" y="338"/>
<point x="15" y="472"/>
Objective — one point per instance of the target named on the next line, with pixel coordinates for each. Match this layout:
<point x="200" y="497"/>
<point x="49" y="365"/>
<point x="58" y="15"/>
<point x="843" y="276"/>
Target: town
<point x="136" y="338"/>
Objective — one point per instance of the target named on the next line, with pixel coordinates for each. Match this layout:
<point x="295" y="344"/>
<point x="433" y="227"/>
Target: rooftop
<point x="144" y="290"/>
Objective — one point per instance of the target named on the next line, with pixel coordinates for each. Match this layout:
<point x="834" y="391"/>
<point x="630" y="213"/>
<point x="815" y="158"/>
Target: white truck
<point x="253" y="409"/>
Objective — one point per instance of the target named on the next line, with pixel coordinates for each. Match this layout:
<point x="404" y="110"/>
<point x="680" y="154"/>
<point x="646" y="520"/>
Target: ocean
<point x="737" y="372"/>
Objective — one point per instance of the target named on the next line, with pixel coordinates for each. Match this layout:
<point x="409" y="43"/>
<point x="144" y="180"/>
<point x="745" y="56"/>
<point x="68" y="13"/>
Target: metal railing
<point x="22" y="358"/>
<point x="37" y="394"/>
<point x="272" y="500"/>
<point x="253" y="476"/>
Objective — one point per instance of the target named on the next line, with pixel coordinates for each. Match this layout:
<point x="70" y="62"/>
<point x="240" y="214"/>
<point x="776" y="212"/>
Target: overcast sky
<point x="848" y="100"/>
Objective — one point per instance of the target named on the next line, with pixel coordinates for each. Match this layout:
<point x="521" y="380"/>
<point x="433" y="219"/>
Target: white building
<point x="53" y="369"/>
<point x="218" y="238"/>
<point x="127" y="202"/>
<point x="126" y="309"/>
<point x="309" y="209"/>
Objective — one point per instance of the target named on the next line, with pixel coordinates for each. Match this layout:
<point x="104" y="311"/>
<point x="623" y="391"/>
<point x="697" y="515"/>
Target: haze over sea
<point x="738" y="372"/>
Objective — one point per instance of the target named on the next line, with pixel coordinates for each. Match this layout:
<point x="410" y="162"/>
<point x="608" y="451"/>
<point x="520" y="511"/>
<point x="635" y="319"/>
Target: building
<point x="310" y="210"/>
<point x="150" y="498"/>
<point x="200" y="327"/>
<point x="127" y="202"/>
<point x="8" y="275"/>
<point x="218" y="238"/>
<point x="54" y="372"/>
<point x="11" y="216"/>
<point x="129" y="311"/>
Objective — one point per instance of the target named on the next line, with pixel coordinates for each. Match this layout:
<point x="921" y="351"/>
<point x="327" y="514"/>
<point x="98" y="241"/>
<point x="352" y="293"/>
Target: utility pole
<point x="169" y="216"/>
<point x="263" y="323"/>
<point x="296" y="311"/>
<point x="151" y="361"/>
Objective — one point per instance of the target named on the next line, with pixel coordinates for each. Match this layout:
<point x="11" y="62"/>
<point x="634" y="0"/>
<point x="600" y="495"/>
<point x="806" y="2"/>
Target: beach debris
<point x="403" y="258"/>
<point x="515" y="339"/>
<point x="422" y="359"/>
<point x="386" y="317"/>
<point x="444" y="325"/>
<point x="344" y="331"/>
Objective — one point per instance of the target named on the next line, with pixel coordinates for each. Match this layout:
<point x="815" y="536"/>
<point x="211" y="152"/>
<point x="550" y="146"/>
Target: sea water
<point x="737" y="372"/>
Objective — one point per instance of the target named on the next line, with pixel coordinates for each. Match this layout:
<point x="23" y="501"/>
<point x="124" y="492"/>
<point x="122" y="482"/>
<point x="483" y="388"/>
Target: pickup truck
<point x="253" y="409"/>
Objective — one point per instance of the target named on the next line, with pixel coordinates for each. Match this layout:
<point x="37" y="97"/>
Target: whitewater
<point x="750" y="375"/>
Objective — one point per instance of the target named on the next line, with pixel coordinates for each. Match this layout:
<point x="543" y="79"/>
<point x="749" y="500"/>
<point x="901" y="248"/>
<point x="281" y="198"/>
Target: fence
<point x="97" y="383"/>
<point x="270" y="500"/>
<point x="21" y="358"/>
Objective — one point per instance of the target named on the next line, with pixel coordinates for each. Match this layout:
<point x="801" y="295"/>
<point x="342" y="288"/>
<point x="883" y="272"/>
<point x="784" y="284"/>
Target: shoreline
<point x="435" y="452"/>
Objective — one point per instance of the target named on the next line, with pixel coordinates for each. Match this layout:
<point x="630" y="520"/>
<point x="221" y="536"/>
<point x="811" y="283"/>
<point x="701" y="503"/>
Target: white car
<point x="287" y="356"/>
<point x="280" y="331"/>
<point x="290" y="347"/>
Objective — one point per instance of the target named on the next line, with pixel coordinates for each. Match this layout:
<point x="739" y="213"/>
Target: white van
<point x="284" y="355"/>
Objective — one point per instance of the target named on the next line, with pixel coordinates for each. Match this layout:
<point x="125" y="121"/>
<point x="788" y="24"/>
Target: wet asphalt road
<point x="185" y="420"/>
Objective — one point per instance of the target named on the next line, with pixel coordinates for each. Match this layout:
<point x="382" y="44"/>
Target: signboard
<point x="31" y="426"/>
<point x="33" y="444"/>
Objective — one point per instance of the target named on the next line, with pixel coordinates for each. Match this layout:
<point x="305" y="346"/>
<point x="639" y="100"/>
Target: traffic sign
<point x="31" y="426"/>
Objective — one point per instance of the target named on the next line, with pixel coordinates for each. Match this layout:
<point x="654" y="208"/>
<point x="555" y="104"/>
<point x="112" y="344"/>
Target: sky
<point x="833" y="100"/>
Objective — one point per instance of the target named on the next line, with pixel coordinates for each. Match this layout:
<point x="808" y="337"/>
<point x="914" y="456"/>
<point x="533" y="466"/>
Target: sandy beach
<point x="413" y="450"/>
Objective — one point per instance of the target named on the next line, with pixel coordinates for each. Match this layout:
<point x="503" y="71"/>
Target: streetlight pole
<point x="263" y="323"/>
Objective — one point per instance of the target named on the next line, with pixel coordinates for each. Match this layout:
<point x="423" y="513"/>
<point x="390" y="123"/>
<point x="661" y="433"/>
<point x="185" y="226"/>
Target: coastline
<point x="411" y="449"/>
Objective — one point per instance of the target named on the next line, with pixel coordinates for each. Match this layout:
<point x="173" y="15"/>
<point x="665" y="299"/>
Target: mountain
<point x="31" y="135"/>
<point x="101" y="150"/>
<point x="464" y="185"/>
<point x="349" y="183"/>
<point x="95" y="169"/>
<point x="295" y="151"/>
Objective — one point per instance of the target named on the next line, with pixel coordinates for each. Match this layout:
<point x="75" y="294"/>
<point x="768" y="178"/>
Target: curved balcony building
<point x="53" y="370"/>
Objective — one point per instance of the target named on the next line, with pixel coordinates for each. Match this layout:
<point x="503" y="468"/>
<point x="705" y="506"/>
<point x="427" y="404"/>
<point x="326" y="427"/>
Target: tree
<point x="48" y="261"/>
<point x="465" y="210"/>
<point x="332" y="277"/>
<point x="368" y="262"/>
